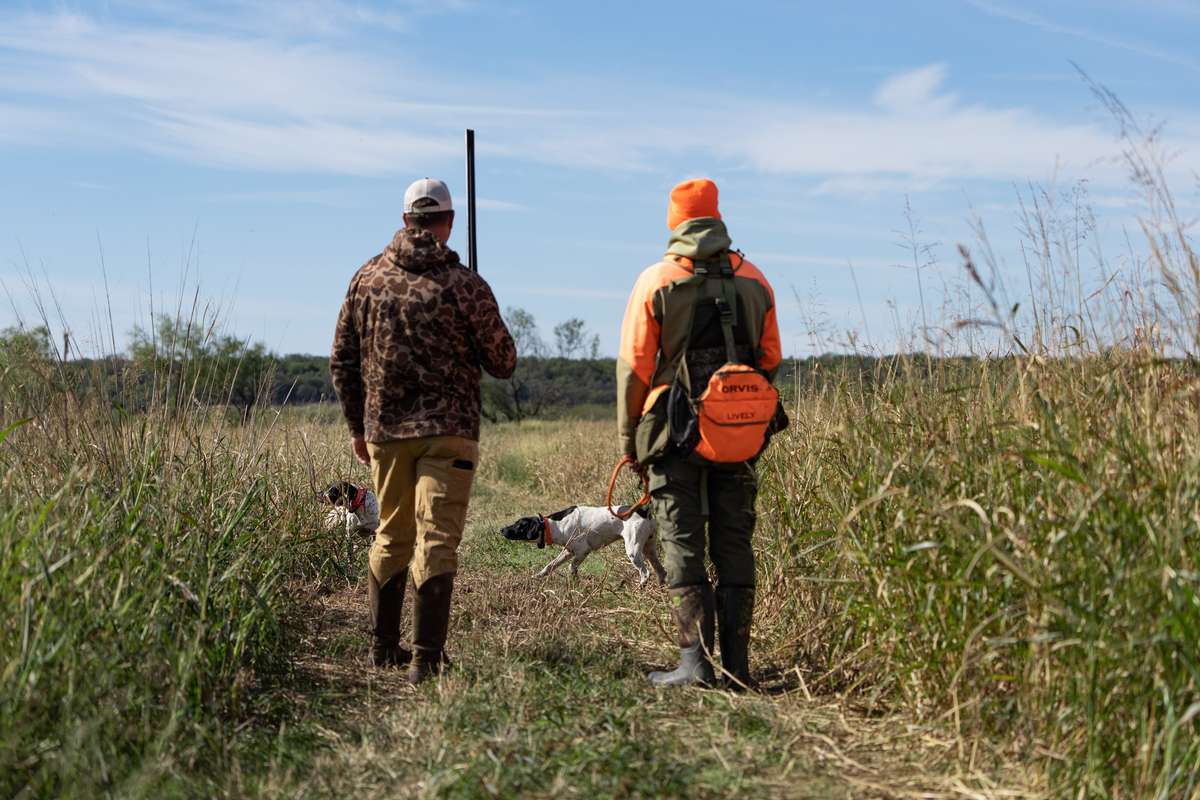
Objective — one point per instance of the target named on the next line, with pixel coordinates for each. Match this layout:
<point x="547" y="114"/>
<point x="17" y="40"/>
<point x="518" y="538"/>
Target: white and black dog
<point x="355" y="507"/>
<point x="581" y="530"/>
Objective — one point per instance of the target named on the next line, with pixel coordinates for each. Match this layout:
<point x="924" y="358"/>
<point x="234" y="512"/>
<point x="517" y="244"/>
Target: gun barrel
<point x="472" y="252"/>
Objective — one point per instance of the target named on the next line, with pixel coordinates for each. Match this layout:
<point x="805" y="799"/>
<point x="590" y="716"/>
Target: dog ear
<point x="535" y="529"/>
<point x="352" y="493"/>
<point x="559" y="516"/>
<point x="643" y="512"/>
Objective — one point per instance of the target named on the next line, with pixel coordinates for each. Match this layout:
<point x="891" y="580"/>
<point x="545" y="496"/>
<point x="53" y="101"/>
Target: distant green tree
<point x="523" y="395"/>
<point x="26" y="367"/>
<point x="302" y="379"/>
<point x="572" y="341"/>
<point x="195" y="364"/>
<point x="20" y="345"/>
<point x="524" y="330"/>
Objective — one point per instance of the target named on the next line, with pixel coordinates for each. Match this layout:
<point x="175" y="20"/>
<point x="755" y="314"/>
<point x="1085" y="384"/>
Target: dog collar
<point x="359" y="500"/>
<point x="546" y="533"/>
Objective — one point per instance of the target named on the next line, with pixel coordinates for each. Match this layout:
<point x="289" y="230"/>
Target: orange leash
<point x="612" y="486"/>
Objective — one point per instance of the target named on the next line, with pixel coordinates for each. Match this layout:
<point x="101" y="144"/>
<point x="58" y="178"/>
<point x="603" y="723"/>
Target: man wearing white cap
<point x="414" y="332"/>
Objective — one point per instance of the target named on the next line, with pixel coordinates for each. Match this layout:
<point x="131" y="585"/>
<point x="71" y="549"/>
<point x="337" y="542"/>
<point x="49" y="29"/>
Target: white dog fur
<point x="588" y="528"/>
<point x="362" y="522"/>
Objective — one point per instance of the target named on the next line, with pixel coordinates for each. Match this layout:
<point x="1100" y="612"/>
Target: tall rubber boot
<point x="693" y="611"/>
<point x="385" y="604"/>
<point x="431" y="620"/>
<point x="735" y="615"/>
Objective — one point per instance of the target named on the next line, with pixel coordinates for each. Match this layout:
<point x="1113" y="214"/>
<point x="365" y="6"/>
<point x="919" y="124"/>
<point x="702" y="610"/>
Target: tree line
<point x="182" y="363"/>
<point x="187" y="361"/>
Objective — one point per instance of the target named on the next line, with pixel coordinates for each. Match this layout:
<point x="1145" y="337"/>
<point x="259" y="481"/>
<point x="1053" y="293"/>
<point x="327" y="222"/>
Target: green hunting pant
<point x="693" y="497"/>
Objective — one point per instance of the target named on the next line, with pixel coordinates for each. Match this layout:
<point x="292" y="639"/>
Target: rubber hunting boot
<point x="693" y="611"/>
<point x="735" y="614"/>
<point x="385" y="604"/>
<point x="431" y="620"/>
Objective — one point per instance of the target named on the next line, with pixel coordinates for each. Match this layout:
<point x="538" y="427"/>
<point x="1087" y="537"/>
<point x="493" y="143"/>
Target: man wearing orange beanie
<point x="700" y="330"/>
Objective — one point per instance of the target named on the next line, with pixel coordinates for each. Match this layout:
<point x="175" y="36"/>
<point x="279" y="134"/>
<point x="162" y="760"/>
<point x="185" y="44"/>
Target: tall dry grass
<point x="148" y="568"/>
<point x="1014" y="546"/>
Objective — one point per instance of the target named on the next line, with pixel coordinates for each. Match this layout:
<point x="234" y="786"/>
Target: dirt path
<point x="547" y="699"/>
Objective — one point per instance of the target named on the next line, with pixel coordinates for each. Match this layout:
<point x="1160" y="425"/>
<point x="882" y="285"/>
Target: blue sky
<point x="273" y="141"/>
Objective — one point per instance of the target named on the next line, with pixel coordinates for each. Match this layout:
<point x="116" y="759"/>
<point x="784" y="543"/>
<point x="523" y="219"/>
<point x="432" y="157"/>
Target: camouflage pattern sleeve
<point x="490" y="338"/>
<point x="345" y="364"/>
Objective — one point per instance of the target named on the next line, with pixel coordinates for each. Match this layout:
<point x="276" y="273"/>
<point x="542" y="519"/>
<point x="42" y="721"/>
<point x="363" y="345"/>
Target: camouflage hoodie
<point x="414" y="330"/>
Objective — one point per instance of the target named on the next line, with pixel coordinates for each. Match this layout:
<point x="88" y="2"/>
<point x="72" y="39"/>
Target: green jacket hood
<point x="699" y="238"/>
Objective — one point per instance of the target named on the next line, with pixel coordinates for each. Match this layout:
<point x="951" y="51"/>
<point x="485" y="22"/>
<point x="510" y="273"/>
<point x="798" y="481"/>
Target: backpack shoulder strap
<point x="721" y="268"/>
<point x="697" y="278"/>
<point x="718" y="267"/>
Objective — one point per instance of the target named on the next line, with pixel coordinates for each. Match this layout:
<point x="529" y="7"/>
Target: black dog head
<point x="342" y="493"/>
<point x="532" y="529"/>
<point x="526" y="529"/>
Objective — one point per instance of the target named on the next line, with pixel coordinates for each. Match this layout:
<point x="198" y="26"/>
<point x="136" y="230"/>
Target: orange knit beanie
<point x="691" y="199"/>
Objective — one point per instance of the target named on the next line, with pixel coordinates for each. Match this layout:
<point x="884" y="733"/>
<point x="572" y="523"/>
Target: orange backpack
<point x="732" y="418"/>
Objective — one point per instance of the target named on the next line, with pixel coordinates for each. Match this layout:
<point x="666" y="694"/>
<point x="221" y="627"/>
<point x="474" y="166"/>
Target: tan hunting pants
<point x="423" y="486"/>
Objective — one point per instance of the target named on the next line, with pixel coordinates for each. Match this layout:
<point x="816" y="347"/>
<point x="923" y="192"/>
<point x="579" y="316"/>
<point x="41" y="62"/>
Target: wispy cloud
<point x="919" y="135"/>
<point x="302" y="17"/>
<point x="288" y="146"/>
<point x="31" y="124"/>
<point x="918" y="131"/>
<point x="235" y="99"/>
<point x="1036" y="20"/>
<point x="871" y="186"/>
<point x="915" y="91"/>
<point x="257" y="96"/>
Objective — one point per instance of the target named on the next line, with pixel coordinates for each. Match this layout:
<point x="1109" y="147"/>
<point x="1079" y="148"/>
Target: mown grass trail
<point x="547" y="696"/>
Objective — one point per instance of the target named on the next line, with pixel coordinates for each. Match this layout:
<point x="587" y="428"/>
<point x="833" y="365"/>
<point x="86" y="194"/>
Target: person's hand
<point x="637" y="467"/>
<point x="359" y="445"/>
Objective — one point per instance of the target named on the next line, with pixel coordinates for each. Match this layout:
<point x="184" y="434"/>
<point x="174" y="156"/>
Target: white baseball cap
<point x="427" y="196"/>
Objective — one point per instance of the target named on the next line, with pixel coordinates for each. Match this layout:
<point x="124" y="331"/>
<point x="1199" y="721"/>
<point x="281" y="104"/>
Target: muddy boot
<point x="693" y="610"/>
<point x="431" y="619"/>
<point x="735" y="613"/>
<point x="385" y="603"/>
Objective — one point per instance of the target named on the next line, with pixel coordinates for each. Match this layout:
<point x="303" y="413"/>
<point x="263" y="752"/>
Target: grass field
<point x="176" y="624"/>
<point x="946" y="610"/>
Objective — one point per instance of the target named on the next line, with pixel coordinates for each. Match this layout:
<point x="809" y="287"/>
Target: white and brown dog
<point x="581" y="530"/>
<point x="354" y="507"/>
